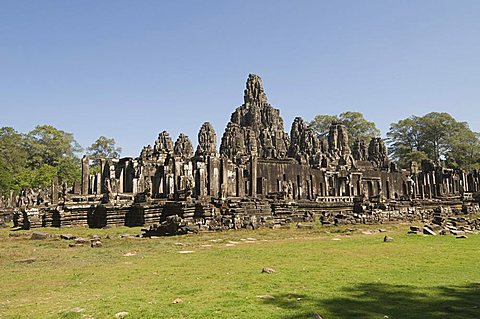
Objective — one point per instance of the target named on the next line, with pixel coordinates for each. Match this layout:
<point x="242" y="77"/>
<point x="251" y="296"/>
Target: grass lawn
<point x="326" y="271"/>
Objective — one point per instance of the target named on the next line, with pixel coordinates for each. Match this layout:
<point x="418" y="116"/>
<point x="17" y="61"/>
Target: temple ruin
<point x="258" y="176"/>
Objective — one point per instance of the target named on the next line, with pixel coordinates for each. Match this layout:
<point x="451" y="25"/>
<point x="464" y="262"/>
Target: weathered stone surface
<point x="377" y="152"/>
<point x="207" y="141"/>
<point x="121" y="314"/>
<point x="39" y="236"/>
<point x="255" y="128"/>
<point x="262" y="177"/>
<point x="163" y="144"/>
<point x="96" y="244"/>
<point x="183" y="147"/>
<point x="387" y="239"/>
<point x="360" y="150"/>
<point x="268" y="270"/>
<point x="428" y="231"/>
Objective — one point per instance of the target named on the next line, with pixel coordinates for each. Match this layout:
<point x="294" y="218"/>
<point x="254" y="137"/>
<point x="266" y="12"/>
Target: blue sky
<point x="131" y="69"/>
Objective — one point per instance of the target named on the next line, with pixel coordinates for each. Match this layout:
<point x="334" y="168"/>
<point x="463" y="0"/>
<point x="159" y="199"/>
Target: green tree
<point x="358" y="127"/>
<point x="12" y="149"/>
<point x="69" y="170"/>
<point x="104" y="147"/>
<point x="48" y="145"/>
<point x="7" y="179"/>
<point x="435" y="136"/>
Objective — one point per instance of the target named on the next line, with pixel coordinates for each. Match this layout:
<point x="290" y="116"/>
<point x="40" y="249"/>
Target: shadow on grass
<point x="374" y="300"/>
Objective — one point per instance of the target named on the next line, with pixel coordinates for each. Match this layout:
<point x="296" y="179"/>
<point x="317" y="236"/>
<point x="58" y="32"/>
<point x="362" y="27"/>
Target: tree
<point x="435" y="136"/>
<point x="358" y="127"/>
<point x="12" y="149"/>
<point x="104" y="147"/>
<point x="48" y="145"/>
<point x="69" y="170"/>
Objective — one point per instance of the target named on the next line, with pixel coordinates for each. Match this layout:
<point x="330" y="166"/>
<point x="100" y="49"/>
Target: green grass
<point x="358" y="276"/>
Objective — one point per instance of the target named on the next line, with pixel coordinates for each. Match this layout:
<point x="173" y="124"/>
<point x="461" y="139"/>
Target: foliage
<point x="12" y="150"/>
<point x="358" y="127"/>
<point x="104" y="147"/>
<point x="69" y="170"/>
<point x="435" y="136"/>
<point x="48" y="145"/>
<point x="33" y="159"/>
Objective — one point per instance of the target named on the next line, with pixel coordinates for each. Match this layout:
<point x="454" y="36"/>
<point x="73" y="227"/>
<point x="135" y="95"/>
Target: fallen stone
<point x="387" y="239"/>
<point x="304" y="226"/>
<point x="82" y="241"/>
<point x="25" y="261"/>
<point x="96" y="243"/>
<point x="67" y="236"/>
<point x="128" y="236"/>
<point x="268" y="270"/>
<point x="186" y="252"/>
<point x="462" y="236"/>
<point x="335" y="238"/>
<point x="415" y="229"/>
<point x="265" y="297"/>
<point x="381" y="230"/>
<point x="121" y="314"/>
<point x="317" y="316"/>
<point x="367" y="232"/>
<point x="75" y="245"/>
<point x="39" y="236"/>
<point x="129" y="254"/>
<point x="177" y="300"/>
<point x="428" y="231"/>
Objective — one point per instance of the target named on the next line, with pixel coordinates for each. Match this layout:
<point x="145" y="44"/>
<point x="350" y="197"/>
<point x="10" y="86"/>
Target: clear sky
<point x="131" y="69"/>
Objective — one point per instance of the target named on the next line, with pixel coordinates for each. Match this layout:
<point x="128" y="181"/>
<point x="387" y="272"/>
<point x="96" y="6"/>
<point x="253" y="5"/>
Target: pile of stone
<point x="457" y="226"/>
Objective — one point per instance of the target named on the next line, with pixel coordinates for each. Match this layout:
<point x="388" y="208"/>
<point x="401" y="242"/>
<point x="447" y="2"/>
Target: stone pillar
<point x="85" y="175"/>
<point x="55" y="190"/>
<point x="213" y="181"/>
<point x="253" y="176"/>
<point x="223" y="177"/>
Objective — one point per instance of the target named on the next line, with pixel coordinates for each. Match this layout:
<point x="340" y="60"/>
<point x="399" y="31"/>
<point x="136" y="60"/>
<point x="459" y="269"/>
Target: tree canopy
<point x="104" y="147"/>
<point x="34" y="158"/>
<point x="435" y="136"/>
<point x="358" y="127"/>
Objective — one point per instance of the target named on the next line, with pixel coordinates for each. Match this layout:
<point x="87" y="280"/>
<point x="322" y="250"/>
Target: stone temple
<point x="258" y="176"/>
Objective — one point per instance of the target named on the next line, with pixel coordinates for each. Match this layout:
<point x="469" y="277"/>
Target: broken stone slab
<point x="96" y="243"/>
<point x="82" y="241"/>
<point x="265" y="297"/>
<point x="67" y="236"/>
<point x="26" y="261"/>
<point x="457" y="232"/>
<point x="39" y="236"/>
<point x="387" y="239"/>
<point x="428" y="231"/>
<point x="461" y="236"/>
<point x="121" y="314"/>
<point x="177" y="300"/>
<point x="415" y="229"/>
<point x="75" y="245"/>
<point x="304" y="226"/>
<point x="268" y="270"/>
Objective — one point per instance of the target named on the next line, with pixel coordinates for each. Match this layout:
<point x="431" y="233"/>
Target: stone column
<point x="85" y="175"/>
<point x="55" y="190"/>
<point x="253" y="176"/>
